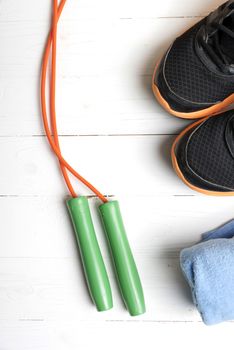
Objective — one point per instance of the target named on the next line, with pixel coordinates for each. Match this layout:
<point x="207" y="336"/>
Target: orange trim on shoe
<point x="217" y="108"/>
<point x="180" y="174"/>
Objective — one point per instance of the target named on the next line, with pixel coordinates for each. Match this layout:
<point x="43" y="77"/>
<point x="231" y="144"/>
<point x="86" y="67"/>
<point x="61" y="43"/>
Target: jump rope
<point x="78" y="206"/>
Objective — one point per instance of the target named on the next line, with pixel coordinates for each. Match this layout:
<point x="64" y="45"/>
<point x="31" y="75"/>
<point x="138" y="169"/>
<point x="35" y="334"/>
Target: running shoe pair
<point x="195" y="79"/>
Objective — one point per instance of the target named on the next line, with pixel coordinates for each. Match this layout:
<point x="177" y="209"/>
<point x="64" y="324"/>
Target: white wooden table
<point x="112" y="131"/>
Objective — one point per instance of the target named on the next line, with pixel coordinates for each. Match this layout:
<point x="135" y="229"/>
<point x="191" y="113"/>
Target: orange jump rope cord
<point x="53" y="95"/>
<point x="53" y="145"/>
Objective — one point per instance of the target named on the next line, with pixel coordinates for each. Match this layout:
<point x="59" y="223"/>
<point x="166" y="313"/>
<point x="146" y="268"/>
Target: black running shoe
<point x="203" y="155"/>
<point x="195" y="78"/>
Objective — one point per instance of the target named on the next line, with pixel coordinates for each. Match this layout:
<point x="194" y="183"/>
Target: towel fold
<point x="209" y="269"/>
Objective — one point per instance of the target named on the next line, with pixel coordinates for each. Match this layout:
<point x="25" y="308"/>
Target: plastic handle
<point x="126" y="270"/>
<point x="93" y="264"/>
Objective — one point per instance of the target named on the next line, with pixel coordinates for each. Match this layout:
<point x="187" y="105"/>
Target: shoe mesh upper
<point x="189" y="78"/>
<point x="208" y="154"/>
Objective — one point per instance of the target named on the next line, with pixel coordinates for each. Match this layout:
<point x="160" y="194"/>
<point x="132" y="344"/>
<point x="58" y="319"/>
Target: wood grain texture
<point x="113" y="132"/>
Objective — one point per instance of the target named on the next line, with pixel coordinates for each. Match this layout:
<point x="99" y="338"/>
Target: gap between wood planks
<point x="118" y="18"/>
<point x="90" y="135"/>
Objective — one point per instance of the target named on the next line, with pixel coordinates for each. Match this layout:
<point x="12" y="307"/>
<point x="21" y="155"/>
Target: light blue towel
<point x="209" y="269"/>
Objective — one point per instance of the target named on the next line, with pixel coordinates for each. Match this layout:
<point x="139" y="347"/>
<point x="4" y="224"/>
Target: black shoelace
<point x="212" y="43"/>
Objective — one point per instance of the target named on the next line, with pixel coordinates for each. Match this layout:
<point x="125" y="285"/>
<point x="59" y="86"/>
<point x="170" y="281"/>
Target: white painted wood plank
<point x="116" y="165"/>
<point x="72" y="334"/>
<point x="107" y="47"/>
<point x="19" y="11"/>
<point x="128" y="108"/>
<point x="104" y="85"/>
<point x="158" y="226"/>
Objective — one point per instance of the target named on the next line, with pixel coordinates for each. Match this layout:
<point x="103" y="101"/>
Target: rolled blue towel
<point x="209" y="269"/>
